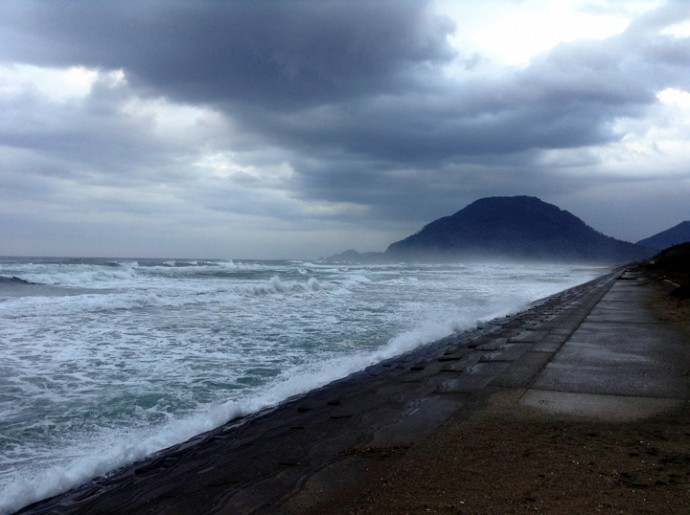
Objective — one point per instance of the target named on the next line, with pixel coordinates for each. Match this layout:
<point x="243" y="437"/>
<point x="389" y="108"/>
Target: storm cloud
<point x="341" y="123"/>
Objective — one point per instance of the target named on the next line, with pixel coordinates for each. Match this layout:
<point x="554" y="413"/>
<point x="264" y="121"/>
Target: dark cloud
<point x="567" y="98"/>
<point x="361" y="78"/>
<point x="366" y="101"/>
<point x="278" y="54"/>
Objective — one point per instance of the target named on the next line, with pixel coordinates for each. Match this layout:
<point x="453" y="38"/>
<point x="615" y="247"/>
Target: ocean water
<point x="105" y="361"/>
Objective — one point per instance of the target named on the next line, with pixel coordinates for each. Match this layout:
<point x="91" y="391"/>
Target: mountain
<point x="673" y="263"/>
<point x="677" y="234"/>
<point x="513" y="228"/>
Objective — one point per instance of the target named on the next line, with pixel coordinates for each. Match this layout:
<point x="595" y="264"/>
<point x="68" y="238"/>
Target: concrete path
<point x="621" y="363"/>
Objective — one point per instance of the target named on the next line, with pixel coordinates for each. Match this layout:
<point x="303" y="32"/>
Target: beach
<point x="521" y="415"/>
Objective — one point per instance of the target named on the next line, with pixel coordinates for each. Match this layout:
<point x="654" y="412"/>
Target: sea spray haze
<point x="106" y="361"/>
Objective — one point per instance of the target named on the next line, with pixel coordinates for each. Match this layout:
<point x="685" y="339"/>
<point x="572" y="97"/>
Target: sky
<point x="302" y="128"/>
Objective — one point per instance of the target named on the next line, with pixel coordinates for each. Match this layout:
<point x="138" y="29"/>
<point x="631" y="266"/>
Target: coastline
<point x="324" y="449"/>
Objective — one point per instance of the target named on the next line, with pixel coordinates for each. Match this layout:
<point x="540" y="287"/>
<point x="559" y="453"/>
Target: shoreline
<point x="409" y="404"/>
<point x="360" y="443"/>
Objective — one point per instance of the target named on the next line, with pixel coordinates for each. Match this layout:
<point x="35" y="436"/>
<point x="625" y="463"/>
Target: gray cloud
<point x="366" y="101"/>
<point x="277" y="54"/>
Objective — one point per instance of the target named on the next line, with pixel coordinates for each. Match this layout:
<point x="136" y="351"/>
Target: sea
<point x="105" y="361"/>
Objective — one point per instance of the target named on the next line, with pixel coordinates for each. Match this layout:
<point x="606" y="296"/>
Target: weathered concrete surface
<point x="620" y="363"/>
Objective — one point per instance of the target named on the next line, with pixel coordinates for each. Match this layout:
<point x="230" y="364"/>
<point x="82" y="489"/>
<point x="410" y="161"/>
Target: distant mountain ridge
<point x="519" y="227"/>
<point x="677" y="234"/>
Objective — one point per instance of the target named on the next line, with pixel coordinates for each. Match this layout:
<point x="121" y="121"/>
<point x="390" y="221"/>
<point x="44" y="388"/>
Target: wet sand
<point x="438" y="430"/>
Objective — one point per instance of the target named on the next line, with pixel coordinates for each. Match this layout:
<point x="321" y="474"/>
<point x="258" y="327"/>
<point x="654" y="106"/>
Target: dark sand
<point x="439" y="431"/>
